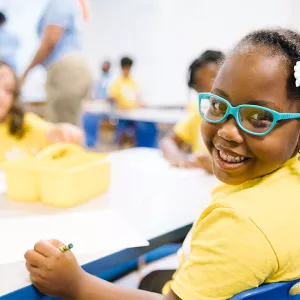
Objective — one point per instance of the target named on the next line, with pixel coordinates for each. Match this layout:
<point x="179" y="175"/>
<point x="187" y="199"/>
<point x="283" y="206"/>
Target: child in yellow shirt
<point x="202" y="74"/>
<point x="125" y="94"/>
<point x="124" y="91"/>
<point x="22" y="134"/>
<point x="247" y="236"/>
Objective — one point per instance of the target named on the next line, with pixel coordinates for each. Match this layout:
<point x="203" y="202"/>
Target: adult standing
<point x="69" y="78"/>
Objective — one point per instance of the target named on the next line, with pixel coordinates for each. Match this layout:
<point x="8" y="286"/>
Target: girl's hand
<point x="203" y="161"/>
<point x="65" y="133"/>
<point x="179" y="160"/>
<point x="52" y="272"/>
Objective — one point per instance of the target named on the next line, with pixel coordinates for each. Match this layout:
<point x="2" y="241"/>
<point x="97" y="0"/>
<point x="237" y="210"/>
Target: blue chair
<point x="146" y="134"/>
<point x="273" y="291"/>
<point x="153" y="255"/>
<point x="124" y="127"/>
<point x="91" y="125"/>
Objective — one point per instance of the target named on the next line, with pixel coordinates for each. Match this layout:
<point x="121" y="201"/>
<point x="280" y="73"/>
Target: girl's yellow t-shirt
<point x="189" y="130"/>
<point x="34" y="139"/>
<point x="247" y="236"/>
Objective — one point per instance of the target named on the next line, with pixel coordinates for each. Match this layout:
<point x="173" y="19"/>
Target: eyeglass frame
<point x="234" y="111"/>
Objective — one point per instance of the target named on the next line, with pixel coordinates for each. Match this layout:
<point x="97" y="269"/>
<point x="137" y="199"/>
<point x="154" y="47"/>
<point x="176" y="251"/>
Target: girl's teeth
<point x="230" y="158"/>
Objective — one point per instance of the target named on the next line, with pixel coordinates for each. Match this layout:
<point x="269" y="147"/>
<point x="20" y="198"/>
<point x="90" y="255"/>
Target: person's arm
<point x="140" y="102"/>
<point x="183" y="133"/>
<point x="51" y="37"/>
<point x="229" y="254"/>
<point x="58" y="274"/>
<point x="171" y="149"/>
<point x="93" y="288"/>
<point x="65" y="132"/>
<point x="171" y="146"/>
<point x="203" y="161"/>
<point x="47" y="133"/>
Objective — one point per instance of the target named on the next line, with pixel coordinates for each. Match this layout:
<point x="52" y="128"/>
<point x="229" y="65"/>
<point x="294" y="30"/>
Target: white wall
<point x="22" y="19"/>
<point x="295" y="15"/>
<point x="162" y="35"/>
<point x="165" y="35"/>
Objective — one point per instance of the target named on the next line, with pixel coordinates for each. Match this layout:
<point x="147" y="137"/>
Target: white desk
<point x="154" y="197"/>
<point x="156" y="115"/>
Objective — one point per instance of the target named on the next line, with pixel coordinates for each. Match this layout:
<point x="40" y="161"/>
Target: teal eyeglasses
<point x="253" y="119"/>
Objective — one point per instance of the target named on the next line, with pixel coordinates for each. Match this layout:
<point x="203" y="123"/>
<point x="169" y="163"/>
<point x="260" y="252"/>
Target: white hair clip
<point x="297" y="73"/>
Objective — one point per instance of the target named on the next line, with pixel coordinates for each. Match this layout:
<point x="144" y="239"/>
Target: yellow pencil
<point x="65" y="248"/>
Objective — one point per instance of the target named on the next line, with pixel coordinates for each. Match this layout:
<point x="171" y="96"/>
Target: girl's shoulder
<point x="288" y="176"/>
<point x="35" y="124"/>
<point x="32" y="119"/>
<point x="277" y="192"/>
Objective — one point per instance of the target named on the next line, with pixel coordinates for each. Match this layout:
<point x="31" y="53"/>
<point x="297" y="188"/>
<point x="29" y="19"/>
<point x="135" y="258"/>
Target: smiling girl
<point x="247" y="236"/>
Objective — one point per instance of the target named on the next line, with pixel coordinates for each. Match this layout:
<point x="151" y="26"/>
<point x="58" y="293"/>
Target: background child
<point x="126" y="95"/>
<point x="21" y="133"/>
<point x="124" y="90"/>
<point x="246" y="236"/>
<point x="202" y="74"/>
<point x="102" y="84"/>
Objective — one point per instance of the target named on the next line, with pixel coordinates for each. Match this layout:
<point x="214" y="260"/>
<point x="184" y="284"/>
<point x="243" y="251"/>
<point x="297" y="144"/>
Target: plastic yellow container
<point x="62" y="175"/>
<point x="22" y="180"/>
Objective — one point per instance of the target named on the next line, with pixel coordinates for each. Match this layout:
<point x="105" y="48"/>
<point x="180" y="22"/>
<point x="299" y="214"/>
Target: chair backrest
<point x="273" y="291"/>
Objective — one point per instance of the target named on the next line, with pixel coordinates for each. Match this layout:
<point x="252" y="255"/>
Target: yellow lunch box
<point x="61" y="175"/>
